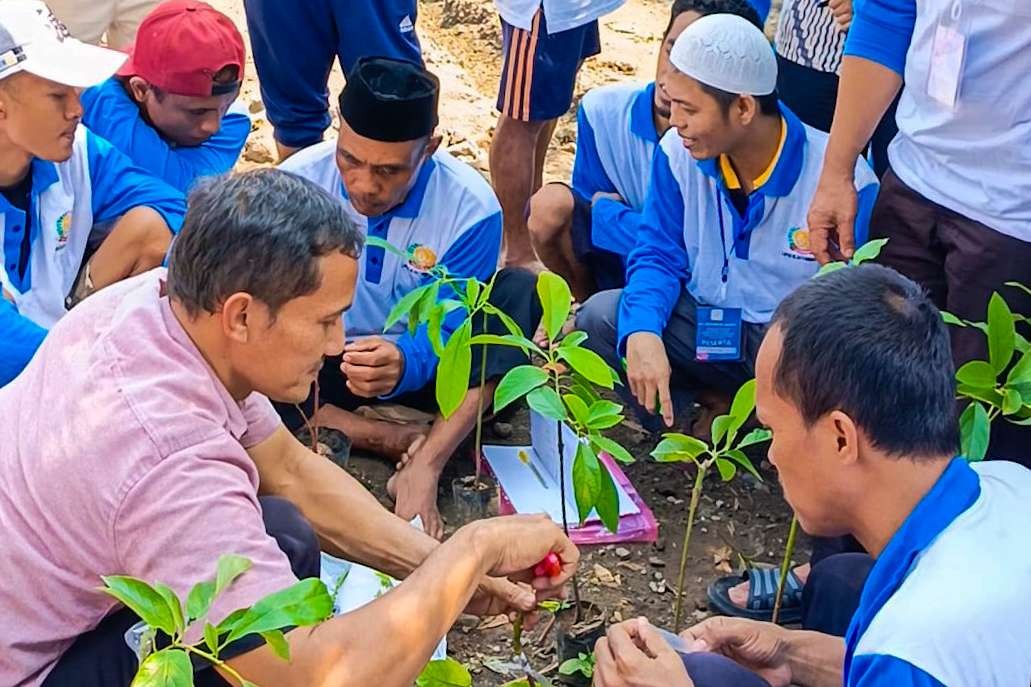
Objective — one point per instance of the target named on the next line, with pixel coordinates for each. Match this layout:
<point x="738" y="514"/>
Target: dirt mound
<point x="466" y="12"/>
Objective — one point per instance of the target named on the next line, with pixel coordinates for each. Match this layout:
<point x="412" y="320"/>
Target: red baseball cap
<point x="180" y="47"/>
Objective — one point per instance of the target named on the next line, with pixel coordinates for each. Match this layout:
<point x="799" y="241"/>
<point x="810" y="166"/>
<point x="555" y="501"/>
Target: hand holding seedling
<point x="373" y="366"/>
<point x="648" y="373"/>
<point x="761" y="647"/>
<point x="634" y="654"/>
<point x="514" y="545"/>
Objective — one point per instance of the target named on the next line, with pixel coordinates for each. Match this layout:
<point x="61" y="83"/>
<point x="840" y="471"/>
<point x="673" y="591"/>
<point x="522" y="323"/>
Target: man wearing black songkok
<point x="387" y="168"/>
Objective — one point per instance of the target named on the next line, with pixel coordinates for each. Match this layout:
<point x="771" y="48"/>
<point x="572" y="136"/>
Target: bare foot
<point x="739" y="594"/>
<point x="397" y="443"/>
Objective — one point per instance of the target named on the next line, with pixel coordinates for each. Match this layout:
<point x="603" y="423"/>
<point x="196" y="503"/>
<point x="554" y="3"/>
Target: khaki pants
<point x="91" y="20"/>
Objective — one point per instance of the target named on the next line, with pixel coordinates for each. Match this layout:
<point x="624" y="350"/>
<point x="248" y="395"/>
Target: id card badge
<point x="948" y="51"/>
<point x="718" y="338"/>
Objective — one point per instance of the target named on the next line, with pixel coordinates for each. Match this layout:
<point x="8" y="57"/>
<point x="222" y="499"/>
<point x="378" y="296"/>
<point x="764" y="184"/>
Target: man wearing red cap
<point x="170" y="107"/>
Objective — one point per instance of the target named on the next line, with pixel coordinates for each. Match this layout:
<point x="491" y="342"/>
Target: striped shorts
<point x="539" y="69"/>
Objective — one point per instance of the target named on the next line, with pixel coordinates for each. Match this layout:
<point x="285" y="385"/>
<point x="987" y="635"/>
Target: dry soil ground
<point x="461" y="40"/>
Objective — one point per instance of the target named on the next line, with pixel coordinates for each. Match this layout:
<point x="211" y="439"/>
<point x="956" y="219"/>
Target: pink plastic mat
<point x="640" y="527"/>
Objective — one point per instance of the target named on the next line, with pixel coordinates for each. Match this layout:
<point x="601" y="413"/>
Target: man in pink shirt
<point x="137" y="440"/>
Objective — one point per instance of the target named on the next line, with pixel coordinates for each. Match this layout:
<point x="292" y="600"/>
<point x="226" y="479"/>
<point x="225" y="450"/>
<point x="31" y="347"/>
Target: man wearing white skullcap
<point x="724" y="220"/>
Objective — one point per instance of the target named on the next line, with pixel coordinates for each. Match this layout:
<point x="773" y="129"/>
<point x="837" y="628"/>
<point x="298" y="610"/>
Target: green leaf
<point x="756" y="436"/>
<point x="230" y="566"/>
<point x="577" y="408"/>
<point x="306" y="603"/>
<point x="589" y="364"/>
<point x="510" y="324"/>
<point x="444" y="673"/>
<point x="601" y="408"/>
<point x="1001" y="333"/>
<point x="721" y="428"/>
<point x="586" y="480"/>
<point x="433" y="329"/>
<point x="175" y="606"/>
<point x="555" y="301"/>
<point x="198" y="601"/>
<point x="424" y="307"/>
<point x="726" y="468"/>
<point x="607" y="503"/>
<point x="453" y="372"/>
<point x="949" y="318"/>
<point x="211" y="638"/>
<point x="739" y="457"/>
<point x="277" y="641"/>
<point x="610" y="446"/>
<point x="507" y="340"/>
<point x="974" y="431"/>
<point x="679" y="448"/>
<point x="977" y="373"/>
<point x="165" y="668"/>
<point x="472" y="292"/>
<point x="573" y="339"/>
<point x="230" y="621"/>
<point x="605" y="422"/>
<point x="1021" y="372"/>
<point x="1020" y="286"/>
<point x="868" y="251"/>
<point x="403" y="306"/>
<point x="584" y="389"/>
<point x="516" y="383"/>
<point x="990" y="396"/>
<point x="545" y="401"/>
<point x="1011" y="402"/>
<point x="741" y="409"/>
<point x="831" y="267"/>
<point x="143" y="600"/>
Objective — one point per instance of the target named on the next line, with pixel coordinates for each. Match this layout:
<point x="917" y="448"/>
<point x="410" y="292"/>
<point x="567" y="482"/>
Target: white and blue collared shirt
<point x="561" y="15"/>
<point x="68" y="204"/>
<point x="692" y="235"/>
<point x="947" y="602"/>
<point x="615" y="144"/>
<point x="451" y="215"/>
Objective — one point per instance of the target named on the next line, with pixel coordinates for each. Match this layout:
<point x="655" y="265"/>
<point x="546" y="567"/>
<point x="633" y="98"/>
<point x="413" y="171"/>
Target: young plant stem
<point x="562" y="490"/>
<point x="785" y="565"/>
<point x="696" y="495"/>
<point x="214" y="660"/>
<point x="478" y="457"/>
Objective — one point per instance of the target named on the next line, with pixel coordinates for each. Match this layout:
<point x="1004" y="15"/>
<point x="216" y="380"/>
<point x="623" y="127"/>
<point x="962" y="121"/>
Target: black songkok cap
<point x="390" y="100"/>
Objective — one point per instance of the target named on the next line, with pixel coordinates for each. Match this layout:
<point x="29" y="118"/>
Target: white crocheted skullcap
<point x="727" y="52"/>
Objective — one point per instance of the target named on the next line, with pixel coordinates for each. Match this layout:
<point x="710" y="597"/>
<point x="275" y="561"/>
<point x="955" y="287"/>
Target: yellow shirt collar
<point x="730" y="176"/>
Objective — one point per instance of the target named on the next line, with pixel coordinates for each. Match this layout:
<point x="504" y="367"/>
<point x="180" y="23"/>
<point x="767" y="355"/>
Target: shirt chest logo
<point x="798" y="247"/>
<point x="421" y="259"/>
<point x="63" y="229"/>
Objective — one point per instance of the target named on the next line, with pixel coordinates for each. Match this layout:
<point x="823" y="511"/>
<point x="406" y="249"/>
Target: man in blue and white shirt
<point x="172" y="107"/>
<point x="956" y="206"/>
<point x="397" y="186"/>
<point x="855" y="382"/>
<point x="723" y="236"/>
<point x="75" y="214"/>
<point x="585" y="231"/>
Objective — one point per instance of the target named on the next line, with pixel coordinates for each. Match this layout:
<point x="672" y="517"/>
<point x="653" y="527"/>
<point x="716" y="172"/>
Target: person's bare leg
<point x="414" y="486"/>
<point x="514" y="174"/>
<point x="551" y="231"/>
<point x="138" y="242"/>
<point x="544" y="137"/>
<point x="387" y="439"/>
<point x="739" y="594"/>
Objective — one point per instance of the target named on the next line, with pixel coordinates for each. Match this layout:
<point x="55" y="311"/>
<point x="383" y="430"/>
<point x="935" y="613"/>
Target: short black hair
<point x="769" y="104"/>
<point x="869" y="342"/>
<point x="260" y="232"/>
<point x="741" y="8"/>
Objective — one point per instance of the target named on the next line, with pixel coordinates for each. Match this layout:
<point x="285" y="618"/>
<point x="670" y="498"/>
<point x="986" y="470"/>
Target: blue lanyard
<point x="725" y="272"/>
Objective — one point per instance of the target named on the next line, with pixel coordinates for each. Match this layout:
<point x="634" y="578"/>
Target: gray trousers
<point x="599" y="319"/>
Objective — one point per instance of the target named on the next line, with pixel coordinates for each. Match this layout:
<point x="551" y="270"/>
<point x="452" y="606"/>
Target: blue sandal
<point x="762" y="590"/>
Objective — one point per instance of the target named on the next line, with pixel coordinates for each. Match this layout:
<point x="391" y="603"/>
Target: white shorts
<point x="91" y="20"/>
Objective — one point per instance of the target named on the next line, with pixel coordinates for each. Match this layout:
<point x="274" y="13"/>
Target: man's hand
<point x="415" y="493"/>
<point x="514" y="544"/>
<point x="760" y="647"/>
<point x="832" y="216"/>
<point x="496" y="596"/>
<point x="633" y="654"/>
<point x="648" y="371"/>
<point x="611" y="196"/>
<point x="373" y="366"/>
<point x="842" y="11"/>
